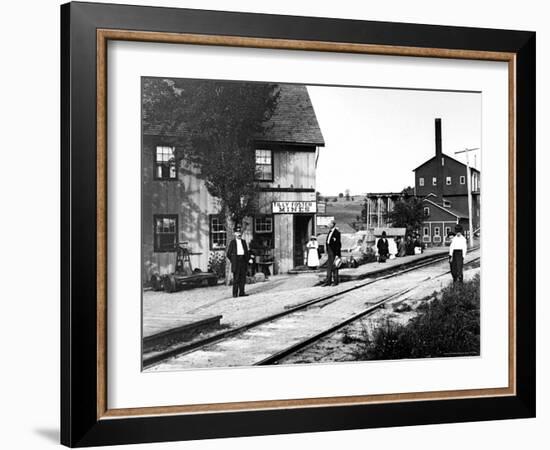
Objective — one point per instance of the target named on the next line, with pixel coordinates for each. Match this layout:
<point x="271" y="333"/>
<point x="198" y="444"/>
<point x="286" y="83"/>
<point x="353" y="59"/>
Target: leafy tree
<point x="214" y="125"/>
<point x="407" y="213"/>
<point x="220" y="121"/>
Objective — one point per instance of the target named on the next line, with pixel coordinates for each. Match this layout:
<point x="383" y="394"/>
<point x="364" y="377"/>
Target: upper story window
<point x="475" y="182"/>
<point x="166" y="232"/>
<point x="446" y="204"/>
<point x="264" y="165"/>
<point x="434" y="181"/>
<point x="426" y="211"/>
<point x="448" y="181"/>
<point x="218" y="233"/>
<point x="421" y="181"/>
<point x="165" y="163"/>
<point x="462" y="179"/>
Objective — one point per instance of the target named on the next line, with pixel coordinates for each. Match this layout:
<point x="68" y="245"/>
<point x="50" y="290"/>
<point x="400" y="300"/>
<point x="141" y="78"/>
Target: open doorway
<point x="303" y="229"/>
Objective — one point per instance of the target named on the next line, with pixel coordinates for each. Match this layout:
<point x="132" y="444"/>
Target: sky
<point x="374" y="138"/>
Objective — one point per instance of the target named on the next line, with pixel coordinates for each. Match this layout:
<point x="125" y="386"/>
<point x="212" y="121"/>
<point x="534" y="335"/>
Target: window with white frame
<point x="462" y="179"/>
<point x="263" y="224"/>
<point x="446" y="204"/>
<point x="264" y="165"/>
<point x="434" y="181"/>
<point x="448" y="181"/>
<point x="263" y="231"/>
<point x="436" y="231"/>
<point x="165" y="163"/>
<point x="165" y="233"/>
<point x="475" y="182"/>
<point x="218" y="233"/>
<point x="421" y="181"/>
<point x="447" y="231"/>
<point x="426" y="211"/>
<point x="426" y="231"/>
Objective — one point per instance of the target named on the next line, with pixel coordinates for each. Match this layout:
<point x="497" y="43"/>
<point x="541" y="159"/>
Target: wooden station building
<point x="442" y="182"/>
<point x="177" y="207"/>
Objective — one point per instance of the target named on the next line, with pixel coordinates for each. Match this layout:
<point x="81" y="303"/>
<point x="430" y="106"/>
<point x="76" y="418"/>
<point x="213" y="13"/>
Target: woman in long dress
<point x="312" y="253"/>
<point x="402" y="247"/>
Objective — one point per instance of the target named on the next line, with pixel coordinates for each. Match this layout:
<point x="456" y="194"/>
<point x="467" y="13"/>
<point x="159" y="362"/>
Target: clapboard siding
<point x="189" y="199"/>
<point x="293" y="167"/>
<point x="284" y="237"/>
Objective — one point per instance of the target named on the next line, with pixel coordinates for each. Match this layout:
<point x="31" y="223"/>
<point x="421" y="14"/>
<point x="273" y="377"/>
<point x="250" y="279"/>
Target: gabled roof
<point x="446" y="156"/>
<point x="451" y="211"/>
<point x="293" y="121"/>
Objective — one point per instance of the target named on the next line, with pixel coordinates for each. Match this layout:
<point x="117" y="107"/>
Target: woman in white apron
<point x="312" y="253"/>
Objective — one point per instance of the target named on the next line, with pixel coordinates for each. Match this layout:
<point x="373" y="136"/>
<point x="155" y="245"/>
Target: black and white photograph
<point x="275" y="225"/>
<point x="297" y="224"/>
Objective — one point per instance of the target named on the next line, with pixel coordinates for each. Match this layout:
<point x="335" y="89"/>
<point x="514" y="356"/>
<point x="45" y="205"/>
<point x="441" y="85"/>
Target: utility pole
<point x="469" y="188"/>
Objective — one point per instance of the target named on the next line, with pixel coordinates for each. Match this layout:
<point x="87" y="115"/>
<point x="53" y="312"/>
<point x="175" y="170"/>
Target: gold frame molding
<point x="104" y="35"/>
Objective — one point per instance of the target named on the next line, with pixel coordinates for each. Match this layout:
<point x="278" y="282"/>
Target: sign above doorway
<point x="294" y="207"/>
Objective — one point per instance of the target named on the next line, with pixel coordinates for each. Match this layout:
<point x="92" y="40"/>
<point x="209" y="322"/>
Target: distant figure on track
<point x="334" y="246"/>
<point x="451" y="236"/>
<point x="237" y="253"/>
<point x="457" y="253"/>
<point x="383" y="248"/>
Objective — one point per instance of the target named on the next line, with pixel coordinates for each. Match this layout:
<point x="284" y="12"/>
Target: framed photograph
<point x="276" y="224"/>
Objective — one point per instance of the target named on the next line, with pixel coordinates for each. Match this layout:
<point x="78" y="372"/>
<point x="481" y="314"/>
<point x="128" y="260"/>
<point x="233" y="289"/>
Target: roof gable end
<point x="446" y="156"/>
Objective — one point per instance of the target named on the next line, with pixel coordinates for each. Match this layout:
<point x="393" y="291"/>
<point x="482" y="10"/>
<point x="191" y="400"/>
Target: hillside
<point x="344" y="211"/>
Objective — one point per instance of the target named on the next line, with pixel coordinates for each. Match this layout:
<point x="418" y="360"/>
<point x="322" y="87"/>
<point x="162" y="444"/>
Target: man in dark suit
<point x="334" y="247"/>
<point x="383" y="248"/>
<point x="237" y="253"/>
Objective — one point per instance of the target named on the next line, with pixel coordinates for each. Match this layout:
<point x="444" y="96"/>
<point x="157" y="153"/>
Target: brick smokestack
<point x="439" y="162"/>
<point x="438" y="138"/>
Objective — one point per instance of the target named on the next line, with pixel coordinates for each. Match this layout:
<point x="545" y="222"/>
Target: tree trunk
<point x="229" y="237"/>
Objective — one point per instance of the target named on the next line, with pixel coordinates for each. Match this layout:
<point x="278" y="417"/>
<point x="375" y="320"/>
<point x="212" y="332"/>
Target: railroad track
<point x="287" y="314"/>
<point x="285" y="353"/>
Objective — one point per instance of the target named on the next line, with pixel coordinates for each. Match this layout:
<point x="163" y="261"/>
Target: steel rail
<point x="276" y="357"/>
<point x="159" y="357"/>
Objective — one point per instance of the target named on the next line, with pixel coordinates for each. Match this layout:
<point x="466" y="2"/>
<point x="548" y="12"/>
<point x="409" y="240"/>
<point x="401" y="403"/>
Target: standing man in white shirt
<point x="237" y="253"/>
<point x="457" y="253"/>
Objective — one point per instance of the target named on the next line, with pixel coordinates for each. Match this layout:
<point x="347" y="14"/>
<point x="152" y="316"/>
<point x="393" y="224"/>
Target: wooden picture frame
<point x="85" y="416"/>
